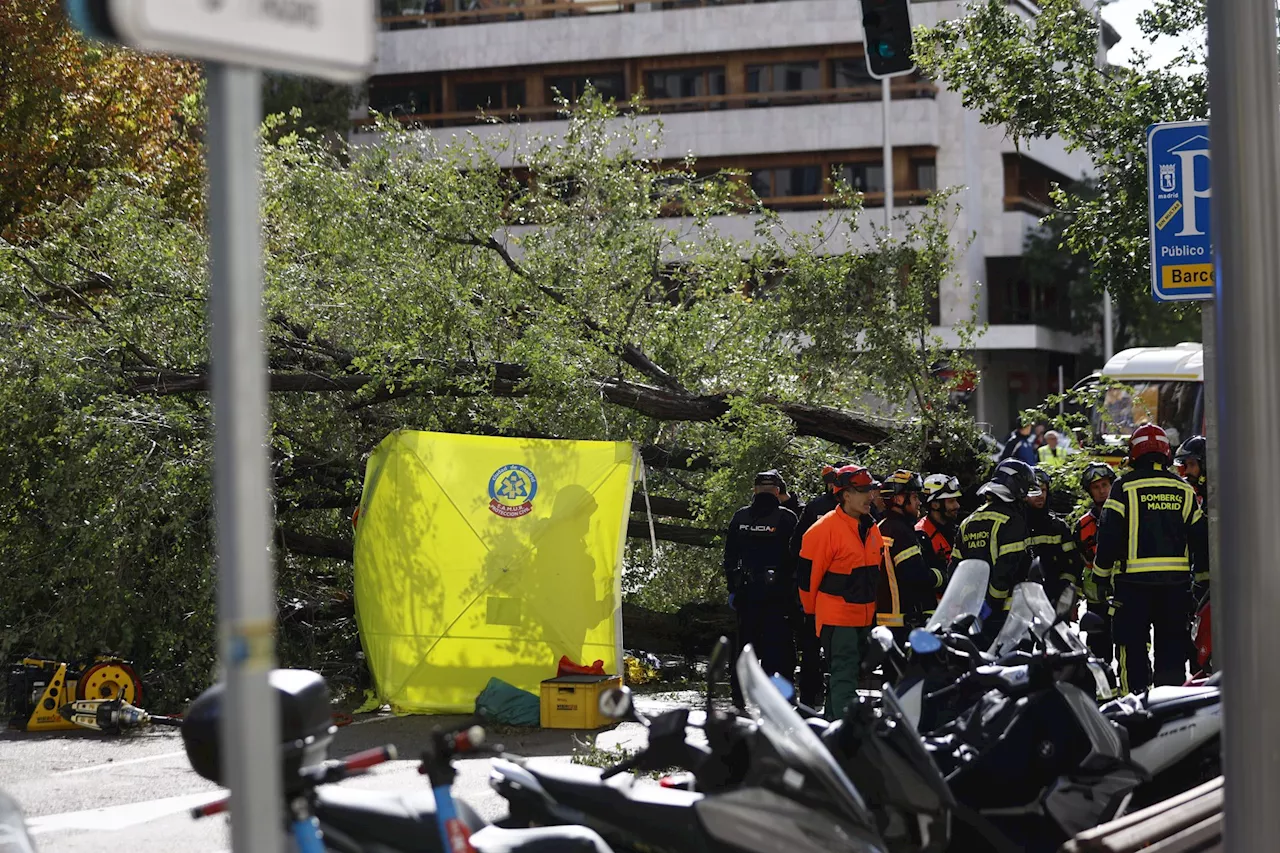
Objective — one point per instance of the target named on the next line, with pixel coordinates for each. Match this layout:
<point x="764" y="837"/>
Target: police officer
<point x="937" y="528"/>
<point x="1051" y="540"/>
<point x="1097" y="480"/>
<point x="908" y="587"/>
<point x="843" y="552"/>
<point x="997" y="534"/>
<point x="808" y="648"/>
<point x="1151" y="533"/>
<point x="759" y="575"/>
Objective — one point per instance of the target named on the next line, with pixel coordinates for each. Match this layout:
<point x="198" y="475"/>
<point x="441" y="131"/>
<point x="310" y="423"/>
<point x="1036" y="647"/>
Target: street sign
<point x="333" y="39"/>
<point x="1178" y="209"/>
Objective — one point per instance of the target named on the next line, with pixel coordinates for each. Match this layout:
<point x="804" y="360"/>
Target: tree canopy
<point x="71" y="109"/>
<point x="421" y="284"/>
<point x="1040" y="77"/>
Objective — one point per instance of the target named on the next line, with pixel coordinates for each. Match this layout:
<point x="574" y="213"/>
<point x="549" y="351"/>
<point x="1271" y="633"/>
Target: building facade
<point x="777" y="88"/>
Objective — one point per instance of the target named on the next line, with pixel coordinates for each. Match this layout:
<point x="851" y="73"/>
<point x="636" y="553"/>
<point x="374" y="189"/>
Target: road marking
<point x="115" y="818"/>
<point x="110" y="765"/>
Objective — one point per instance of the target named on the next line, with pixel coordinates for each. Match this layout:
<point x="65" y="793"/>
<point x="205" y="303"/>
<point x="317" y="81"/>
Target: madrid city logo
<point x="511" y="491"/>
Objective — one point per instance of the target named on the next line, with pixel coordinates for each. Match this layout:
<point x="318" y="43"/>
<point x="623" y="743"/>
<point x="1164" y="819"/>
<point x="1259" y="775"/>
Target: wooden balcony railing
<point x="744" y="100"/>
<point x="444" y="13"/>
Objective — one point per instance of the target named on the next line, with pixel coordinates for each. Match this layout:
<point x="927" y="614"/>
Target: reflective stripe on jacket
<point x="907" y="584"/>
<point x="997" y="534"/>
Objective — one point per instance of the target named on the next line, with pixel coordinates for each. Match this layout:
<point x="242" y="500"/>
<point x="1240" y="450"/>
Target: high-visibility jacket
<point x="908" y="586"/>
<point x="1051" y="540"/>
<point x="813" y="510"/>
<point x="843" y="555"/>
<point x="1152" y="529"/>
<point x="936" y="543"/>
<point x="997" y="534"/>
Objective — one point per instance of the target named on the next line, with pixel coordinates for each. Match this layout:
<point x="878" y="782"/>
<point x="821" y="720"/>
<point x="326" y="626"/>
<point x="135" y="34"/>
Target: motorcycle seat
<point x="1172" y="701"/>
<point x="661" y="815"/>
<point x="401" y="821"/>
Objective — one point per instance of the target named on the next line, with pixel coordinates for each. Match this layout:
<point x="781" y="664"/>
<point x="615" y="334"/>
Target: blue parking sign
<point x="1178" y="194"/>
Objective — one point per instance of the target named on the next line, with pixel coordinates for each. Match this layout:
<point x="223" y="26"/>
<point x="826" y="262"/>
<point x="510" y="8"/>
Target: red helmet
<point x="1148" y="439"/>
<point x="829" y="476"/>
<point x="855" y="477"/>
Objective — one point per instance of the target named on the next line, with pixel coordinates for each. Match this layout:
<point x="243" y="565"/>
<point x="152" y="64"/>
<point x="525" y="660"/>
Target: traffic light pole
<point x="250" y="725"/>
<point x="887" y="142"/>
<point x="1244" y="96"/>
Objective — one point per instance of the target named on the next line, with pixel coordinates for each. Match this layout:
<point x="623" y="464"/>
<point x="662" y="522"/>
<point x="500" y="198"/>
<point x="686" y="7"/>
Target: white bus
<point x="1164" y="385"/>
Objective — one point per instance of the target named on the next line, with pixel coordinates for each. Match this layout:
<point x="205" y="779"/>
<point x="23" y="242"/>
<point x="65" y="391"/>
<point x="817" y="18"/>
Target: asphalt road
<point x="87" y="793"/>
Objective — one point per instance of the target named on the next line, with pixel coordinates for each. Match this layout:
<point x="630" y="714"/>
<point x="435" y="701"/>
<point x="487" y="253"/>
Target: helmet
<point x="829" y="475"/>
<point x="1013" y="480"/>
<point x="771" y="478"/>
<point x="1096" y="471"/>
<point x="901" y="482"/>
<point x="939" y="487"/>
<point x="1195" y="448"/>
<point x="855" y="477"/>
<point x="1043" y="480"/>
<point x="1149" y="439"/>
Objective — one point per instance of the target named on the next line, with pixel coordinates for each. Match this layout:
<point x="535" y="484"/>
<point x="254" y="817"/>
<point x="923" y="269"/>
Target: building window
<point x="685" y="83"/>
<point x="925" y="173"/>
<point x="851" y="74"/>
<point x="784" y="77"/>
<point x="404" y="99"/>
<point x="1028" y="185"/>
<point x="610" y="87"/>
<point x="788" y="182"/>
<point x="1018" y="296"/>
<point x="492" y="96"/>
<point x="863" y="177"/>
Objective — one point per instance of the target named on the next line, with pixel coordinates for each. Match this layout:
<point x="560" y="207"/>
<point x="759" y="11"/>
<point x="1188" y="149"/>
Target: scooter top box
<point x="573" y="701"/>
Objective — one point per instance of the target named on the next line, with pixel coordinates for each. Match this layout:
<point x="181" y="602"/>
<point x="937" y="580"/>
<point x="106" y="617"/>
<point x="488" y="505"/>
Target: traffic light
<point x="886" y="25"/>
<point x="91" y="17"/>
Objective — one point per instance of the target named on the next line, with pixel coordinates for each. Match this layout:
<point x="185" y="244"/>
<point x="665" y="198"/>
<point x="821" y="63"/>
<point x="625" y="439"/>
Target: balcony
<point x="451" y="13"/>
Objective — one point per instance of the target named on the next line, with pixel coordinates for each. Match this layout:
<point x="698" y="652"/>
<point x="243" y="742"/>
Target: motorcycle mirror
<point x="924" y="642"/>
<point x="966" y="624"/>
<point x="615" y="703"/>
<point x="785" y="687"/>
<point x="718" y="660"/>
<point x="1066" y="604"/>
<point x="1091" y="623"/>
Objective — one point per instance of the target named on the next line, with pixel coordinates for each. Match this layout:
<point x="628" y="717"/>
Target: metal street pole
<point x="1244" y="98"/>
<point x="887" y="163"/>
<point x="246" y="593"/>
<point x="1108" y="327"/>
<point x="1209" y="334"/>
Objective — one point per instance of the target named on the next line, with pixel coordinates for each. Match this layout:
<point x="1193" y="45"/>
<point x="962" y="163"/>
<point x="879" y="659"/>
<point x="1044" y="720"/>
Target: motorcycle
<point x="321" y="816"/>
<point x="761" y="784"/>
<point x="13" y="828"/>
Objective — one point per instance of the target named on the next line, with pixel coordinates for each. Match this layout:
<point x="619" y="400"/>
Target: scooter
<point x="319" y="815"/>
<point x="766" y="784"/>
<point x="13" y="828"/>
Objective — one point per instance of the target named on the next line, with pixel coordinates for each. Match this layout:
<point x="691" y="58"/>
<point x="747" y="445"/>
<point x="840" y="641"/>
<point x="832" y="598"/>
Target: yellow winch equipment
<point x="38" y="688"/>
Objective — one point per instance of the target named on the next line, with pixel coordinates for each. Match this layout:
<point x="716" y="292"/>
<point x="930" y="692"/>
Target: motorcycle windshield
<point x="793" y="740"/>
<point x="965" y="593"/>
<point x="1030" y="615"/>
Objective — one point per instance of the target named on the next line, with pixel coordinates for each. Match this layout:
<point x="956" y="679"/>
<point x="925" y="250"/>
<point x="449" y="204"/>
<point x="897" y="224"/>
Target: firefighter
<point x="759" y="574"/>
<point x="1151" y="534"/>
<point x="842" y="552"/>
<point x="1192" y="461"/>
<point x="908" y="587"/>
<point x="808" y="649"/>
<point x="997" y="534"/>
<point x="1097" y="480"/>
<point x="937" y="528"/>
<point x="1051" y="541"/>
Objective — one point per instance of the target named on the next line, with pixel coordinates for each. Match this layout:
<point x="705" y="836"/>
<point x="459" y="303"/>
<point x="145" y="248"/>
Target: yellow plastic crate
<point x="573" y="701"/>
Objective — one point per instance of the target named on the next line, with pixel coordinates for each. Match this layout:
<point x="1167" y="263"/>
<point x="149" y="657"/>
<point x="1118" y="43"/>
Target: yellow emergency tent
<point x="480" y="557"/>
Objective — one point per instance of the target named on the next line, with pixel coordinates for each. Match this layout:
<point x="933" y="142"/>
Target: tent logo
<point x="511" y="491"/>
